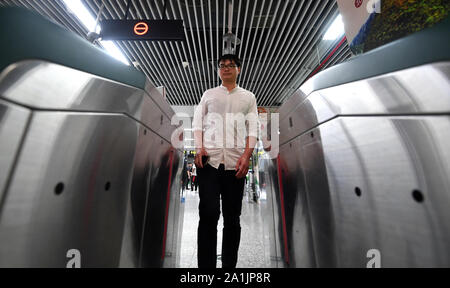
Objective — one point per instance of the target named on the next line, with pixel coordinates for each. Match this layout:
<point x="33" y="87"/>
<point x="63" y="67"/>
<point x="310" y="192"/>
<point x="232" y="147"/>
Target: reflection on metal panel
<point x="95" y="173"/>
<point x="416" y="90"/>
<point x="138" y="196"/>
<point x="173" y="218"/>
<point x="154" y="227"/>
<point x="67" y="191"/>
<point x="317" y="196"/>
<point x="13" y="122"/>
<point x="271" y="214"/>
<point x="43" y="85"/>
<point x="154" y="196"/>
<point x="365" y="166"/>
<point x="375" y="178"/>
<point x="298" y="222"/>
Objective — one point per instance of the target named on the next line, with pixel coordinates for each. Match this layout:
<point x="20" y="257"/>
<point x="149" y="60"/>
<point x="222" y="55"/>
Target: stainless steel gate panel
<point x="138" y="197"/>
<point x="272" y="213"/>
<point x="163" y="117"/>
<point x="316" y="187"/>
<point x="13" y="122"/>
<point x="154" y="227"/>
<point x="296" y="226"/>
<point x="292" y="103"/>
<point x="43" y="85"/>
<point x="372" y="166"/>
<point x="418" y="90"/>
<point x="148" y="222"/>
<point x="388" y="190"/>
<point x="156" y="96"/>
<point x="156" y="119"/>
<point x="85" y="109"/>
<point x="172" y="246"/>
<point x="69" y="191"/>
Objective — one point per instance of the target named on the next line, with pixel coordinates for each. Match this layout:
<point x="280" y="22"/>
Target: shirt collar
<point x="235" y="88"/>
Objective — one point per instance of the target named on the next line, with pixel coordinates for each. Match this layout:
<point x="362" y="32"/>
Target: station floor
<point x="254" y="250"/>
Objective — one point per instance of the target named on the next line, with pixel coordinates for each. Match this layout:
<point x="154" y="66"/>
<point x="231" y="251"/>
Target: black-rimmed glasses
<point x="223" y="66"/>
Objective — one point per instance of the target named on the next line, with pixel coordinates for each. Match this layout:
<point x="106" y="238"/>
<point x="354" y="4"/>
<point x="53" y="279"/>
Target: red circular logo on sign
<point x="140" y="28"/>
<point x="358" y="3"/>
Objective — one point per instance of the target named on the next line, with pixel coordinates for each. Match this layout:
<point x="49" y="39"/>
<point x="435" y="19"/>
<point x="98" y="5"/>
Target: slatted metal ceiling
<point x="281" y="42"/>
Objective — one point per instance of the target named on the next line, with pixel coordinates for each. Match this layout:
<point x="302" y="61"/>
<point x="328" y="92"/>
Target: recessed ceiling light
<point x="77" y="8"/>
<point x="336" y="29"/>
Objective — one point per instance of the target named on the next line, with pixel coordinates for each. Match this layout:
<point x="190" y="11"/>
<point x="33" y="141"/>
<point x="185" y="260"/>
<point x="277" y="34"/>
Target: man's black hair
<point x="230" y="57"/>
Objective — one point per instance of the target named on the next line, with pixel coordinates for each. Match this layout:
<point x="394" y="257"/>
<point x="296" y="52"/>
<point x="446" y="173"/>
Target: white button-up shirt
<point x="226" y="119"/>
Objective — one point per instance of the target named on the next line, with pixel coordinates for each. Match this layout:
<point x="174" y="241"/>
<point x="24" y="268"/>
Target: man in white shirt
<point x="222" y="159"/>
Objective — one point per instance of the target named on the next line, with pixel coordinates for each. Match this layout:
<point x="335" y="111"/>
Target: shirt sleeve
<point x="199" y="114"/>
<point x="252" y="119"/>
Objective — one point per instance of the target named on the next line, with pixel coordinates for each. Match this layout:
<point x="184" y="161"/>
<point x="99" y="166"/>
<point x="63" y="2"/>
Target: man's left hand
<point x="242" y="166"/>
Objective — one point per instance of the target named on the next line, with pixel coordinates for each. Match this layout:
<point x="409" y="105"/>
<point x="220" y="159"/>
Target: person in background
<point x="194" y="180"/>
<point x="184" y="178"/>
<point x="189" y="179"/>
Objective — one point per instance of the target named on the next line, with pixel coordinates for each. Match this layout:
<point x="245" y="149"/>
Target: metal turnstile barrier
<point x="362" y="177"/>
<point x="88" y="173"/>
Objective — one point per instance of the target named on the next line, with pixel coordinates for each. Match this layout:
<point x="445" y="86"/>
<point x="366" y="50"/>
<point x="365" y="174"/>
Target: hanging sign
<point x="354" y="15"/>
<point x="147" y="30"/>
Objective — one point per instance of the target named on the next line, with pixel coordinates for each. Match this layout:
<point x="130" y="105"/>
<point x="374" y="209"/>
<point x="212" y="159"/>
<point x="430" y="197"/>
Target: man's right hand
<point x="198" y="157"/>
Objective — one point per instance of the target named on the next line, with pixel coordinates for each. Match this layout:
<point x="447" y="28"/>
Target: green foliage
<point x="399" y="18"/>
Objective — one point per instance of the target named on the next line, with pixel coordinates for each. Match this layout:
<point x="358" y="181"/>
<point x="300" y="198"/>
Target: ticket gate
<point x="88" y="173"/>
<point x="362" y="177"/>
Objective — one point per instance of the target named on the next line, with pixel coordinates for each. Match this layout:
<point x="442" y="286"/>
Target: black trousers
<point x="187" y="182"/>
<point x="216" y="184"/>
